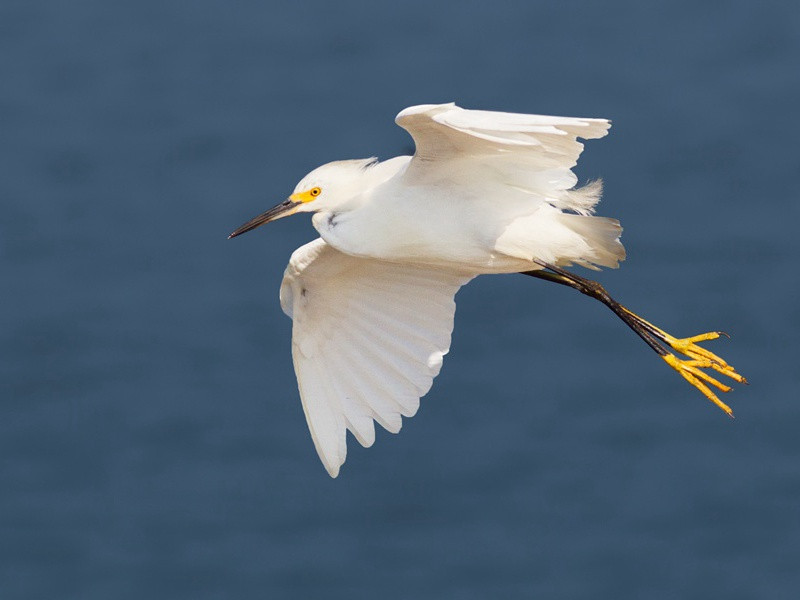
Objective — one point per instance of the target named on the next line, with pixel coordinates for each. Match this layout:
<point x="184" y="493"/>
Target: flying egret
<point x="372" y="299"/>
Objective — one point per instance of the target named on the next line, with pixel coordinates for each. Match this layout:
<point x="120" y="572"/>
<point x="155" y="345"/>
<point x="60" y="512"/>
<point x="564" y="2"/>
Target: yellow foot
<point x="690" y="370"/>
<point x="699" y="358"/>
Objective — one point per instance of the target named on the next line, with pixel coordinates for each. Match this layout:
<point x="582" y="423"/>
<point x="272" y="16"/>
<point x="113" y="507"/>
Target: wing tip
<point x="333" y="471"/>
<point x="596" y="128"/>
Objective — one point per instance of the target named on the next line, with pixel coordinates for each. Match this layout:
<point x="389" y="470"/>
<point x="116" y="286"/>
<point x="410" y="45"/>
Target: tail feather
<point x="601" y="235"/>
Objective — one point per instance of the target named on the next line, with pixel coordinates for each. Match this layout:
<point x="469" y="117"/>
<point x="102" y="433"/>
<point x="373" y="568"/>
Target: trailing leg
<point x="659" y="340"/>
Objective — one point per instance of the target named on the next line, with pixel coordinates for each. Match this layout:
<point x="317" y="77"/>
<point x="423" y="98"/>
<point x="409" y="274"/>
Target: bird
<point x="372" y="299"/>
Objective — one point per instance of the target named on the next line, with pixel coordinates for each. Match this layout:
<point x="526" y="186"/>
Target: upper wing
<point x="367" y="340"/>
<point x="446" y="132"/>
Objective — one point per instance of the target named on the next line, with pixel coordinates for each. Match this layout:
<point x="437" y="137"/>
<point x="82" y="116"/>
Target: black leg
<point x="594" y="290"/>
<point x="659" y="340"/>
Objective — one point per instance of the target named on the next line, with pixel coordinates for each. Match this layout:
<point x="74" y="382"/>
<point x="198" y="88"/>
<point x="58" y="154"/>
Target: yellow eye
<point x="315" y="192"/>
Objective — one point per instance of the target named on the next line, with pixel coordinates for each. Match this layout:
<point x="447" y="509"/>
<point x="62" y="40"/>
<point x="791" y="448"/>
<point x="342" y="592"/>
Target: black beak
<point x="284" y="209"/>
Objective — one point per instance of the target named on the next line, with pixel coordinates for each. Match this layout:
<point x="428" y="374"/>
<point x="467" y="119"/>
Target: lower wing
<point x="367" y="340"/>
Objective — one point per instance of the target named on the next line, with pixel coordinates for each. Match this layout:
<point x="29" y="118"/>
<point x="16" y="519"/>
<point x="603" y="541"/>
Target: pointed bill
<point x="284" y="209"/>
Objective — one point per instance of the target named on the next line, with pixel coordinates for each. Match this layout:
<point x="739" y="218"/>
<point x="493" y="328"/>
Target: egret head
<point x="325" y="188"/>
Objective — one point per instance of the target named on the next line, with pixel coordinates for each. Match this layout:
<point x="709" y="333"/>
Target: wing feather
<point x="446" y="131"/>
<point x="529" y="153"/>
<point x="367" y="340"/>
<point x="324" y="420"/>
<point x="371" y="394"/>
<point x="358" y="414"/>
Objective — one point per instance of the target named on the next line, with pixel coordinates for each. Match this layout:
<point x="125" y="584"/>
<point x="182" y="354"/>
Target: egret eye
<point x="315" y="192"/>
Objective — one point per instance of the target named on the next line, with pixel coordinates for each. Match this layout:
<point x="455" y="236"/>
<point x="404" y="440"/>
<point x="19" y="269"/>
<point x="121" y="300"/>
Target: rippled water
<point x="152" y="441"/>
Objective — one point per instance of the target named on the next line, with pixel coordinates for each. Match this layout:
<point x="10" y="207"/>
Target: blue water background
<point x="152" y="442"/>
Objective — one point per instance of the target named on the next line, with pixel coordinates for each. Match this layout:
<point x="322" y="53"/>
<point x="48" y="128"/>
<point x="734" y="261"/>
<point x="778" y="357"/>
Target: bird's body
<point x="477" y="205"/>
<point x="372" y="300"/>
<point x="474" y="228"/>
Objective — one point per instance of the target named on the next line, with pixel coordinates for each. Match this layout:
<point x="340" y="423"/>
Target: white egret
<point x="372" y="299"/>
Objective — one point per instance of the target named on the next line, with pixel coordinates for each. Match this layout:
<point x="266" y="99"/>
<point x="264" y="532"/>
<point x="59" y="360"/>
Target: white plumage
<point x="372" y="300"/>
<point x="367" y="340"/>
<point x="485" y="192"/>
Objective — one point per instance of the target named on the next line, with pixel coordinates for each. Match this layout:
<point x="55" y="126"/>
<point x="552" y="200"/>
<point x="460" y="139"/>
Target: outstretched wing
<point x="446" y="131"/>
<point x="531" y="152"/>
<point x="367" y="340"/>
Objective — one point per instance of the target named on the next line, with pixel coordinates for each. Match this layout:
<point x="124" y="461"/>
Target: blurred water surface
<point x="152" y="442"/>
